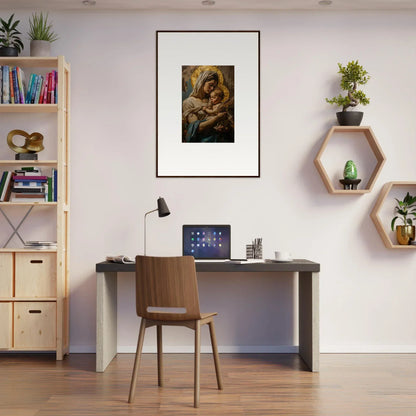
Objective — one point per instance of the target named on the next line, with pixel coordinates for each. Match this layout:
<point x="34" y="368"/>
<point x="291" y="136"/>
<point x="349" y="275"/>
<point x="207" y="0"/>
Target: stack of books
<point x="27" y="184"/>
<point x="41" y="89"/>
<point x="40" y="245"/>
<point x="30" y="188"/>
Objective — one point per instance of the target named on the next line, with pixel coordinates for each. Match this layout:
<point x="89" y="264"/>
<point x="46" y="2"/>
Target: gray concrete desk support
<point x="106" y="341"/>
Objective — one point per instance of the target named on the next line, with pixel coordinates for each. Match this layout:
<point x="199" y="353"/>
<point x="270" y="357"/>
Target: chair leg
<point x="215" y="353"/>
<point x="197" y="368"/>
<point x="159" y="355"/>
<point x="137" y="361"/>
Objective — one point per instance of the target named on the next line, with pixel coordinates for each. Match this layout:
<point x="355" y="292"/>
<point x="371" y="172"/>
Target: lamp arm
<point x="144" y="228"/>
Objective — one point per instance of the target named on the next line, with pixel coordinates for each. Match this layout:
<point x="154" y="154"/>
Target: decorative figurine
<point x="350" y="180"/>
<point x="33" y="144"/>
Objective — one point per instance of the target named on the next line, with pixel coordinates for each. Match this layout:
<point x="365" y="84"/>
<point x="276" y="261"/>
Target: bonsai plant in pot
<point x="352" y="76"/>
<point x="10" y="42"/>
<point x="406" y="209"/>
<point x="41" y="35"/>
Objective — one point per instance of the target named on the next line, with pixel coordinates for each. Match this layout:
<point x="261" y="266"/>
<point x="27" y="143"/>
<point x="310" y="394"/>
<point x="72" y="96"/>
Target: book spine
<point x="27" y="199"/>
<point x="24" y="183"/>
<point x="19" y="178"/>
<point x="53" y="88"/>
<point x="1" y="84"/>
<point x="6" y="92"/>
<point x="20" y="77"/>
<point x="56" y="86"/>
<point x="2" y="180"/>
<point x="49" y="87"/>
<point x="8" y="186"/>
<point x="28" y="190"/>
<point x="46" y="191"/>
<point x="11" y="86"/>
<point x="45" y="92"/>
<point x="5" y="186"/>
<point x="49" y="189"/>
<point x="15" y="86"/>
<point x="42" y="92"/>
<point x="38" y="88"/>
<point x="29" y="88"/>
<point x="55" y="185"/>
<point x="34" y="90"/>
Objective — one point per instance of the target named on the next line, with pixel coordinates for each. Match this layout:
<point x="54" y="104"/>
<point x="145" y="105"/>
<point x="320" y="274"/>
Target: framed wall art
<point x="208" y="104"/>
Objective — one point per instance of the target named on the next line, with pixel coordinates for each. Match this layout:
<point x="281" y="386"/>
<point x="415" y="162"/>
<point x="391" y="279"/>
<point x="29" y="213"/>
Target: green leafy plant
<point x="352" y="75"/>
<point x="406" y="209"/>
<point x="9" y="35"/>
<point x="40" y="28"/>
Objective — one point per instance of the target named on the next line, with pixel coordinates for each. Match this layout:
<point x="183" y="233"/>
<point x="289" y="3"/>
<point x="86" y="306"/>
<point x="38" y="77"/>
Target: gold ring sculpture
<point x="33" y="142"/>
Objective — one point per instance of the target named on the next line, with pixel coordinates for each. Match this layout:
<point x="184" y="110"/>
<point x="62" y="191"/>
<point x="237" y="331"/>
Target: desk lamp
<point x="163" y="211"/>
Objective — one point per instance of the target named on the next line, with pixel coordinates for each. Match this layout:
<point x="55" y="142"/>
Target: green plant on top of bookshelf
<point x="10" y="42"/>
<point x="41" y="34"/>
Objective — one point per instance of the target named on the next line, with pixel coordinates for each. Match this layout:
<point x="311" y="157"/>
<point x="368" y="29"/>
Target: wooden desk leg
<point x="309" y="319"/>
<point x="106" y="325"/>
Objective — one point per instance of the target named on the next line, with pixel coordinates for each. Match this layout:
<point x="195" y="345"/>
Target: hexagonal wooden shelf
<point x="374" y="146"/>
<point x="375" y="213"/>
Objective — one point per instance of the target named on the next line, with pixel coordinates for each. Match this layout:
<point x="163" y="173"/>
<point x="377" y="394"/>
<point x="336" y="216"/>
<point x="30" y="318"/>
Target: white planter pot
<point x="40" y="48"/>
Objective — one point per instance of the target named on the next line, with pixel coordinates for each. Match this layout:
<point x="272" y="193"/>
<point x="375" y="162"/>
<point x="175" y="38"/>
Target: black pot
<point x="9" y="51"/>
<point x="349" y="118"/>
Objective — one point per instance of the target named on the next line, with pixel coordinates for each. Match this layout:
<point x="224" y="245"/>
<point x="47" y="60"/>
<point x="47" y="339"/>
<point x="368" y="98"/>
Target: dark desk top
<point x="297" y="265"/>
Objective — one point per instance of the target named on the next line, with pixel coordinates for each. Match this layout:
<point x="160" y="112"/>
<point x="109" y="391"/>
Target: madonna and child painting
<point x="207" y="104"/>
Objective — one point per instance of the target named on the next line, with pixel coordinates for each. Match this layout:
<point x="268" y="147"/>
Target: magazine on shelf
<point x="40" y="245"/>
<point x="120" y="259"/>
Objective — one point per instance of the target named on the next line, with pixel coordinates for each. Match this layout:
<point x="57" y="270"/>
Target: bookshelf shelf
<point x="5" y="204"/>
<point x="34" y="284"/>
<point x="28" y="108"/>
<point x="52" y="163"/>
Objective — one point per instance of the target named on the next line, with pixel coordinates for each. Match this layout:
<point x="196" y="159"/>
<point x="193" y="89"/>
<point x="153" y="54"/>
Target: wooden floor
<point x="255" y="384"/>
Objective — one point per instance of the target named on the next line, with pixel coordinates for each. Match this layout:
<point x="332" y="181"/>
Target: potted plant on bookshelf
<point x="406" y="209"/>
<point x="352" y="75"/>
<point x="41" y="35"/>
<point x="10" y="42"/>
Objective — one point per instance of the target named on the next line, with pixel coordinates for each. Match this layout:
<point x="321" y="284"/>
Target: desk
<point x="308" y="271"/>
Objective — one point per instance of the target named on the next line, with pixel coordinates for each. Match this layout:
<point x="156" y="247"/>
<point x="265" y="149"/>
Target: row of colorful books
<point x="27" y="184"/>
<point x="41" y="89"/>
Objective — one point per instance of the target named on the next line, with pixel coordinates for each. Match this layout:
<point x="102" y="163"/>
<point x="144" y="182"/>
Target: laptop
<point x="207" y="242"/>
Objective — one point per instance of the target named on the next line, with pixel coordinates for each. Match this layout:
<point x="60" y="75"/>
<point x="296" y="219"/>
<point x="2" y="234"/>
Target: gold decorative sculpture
<point x="33" y="144"/>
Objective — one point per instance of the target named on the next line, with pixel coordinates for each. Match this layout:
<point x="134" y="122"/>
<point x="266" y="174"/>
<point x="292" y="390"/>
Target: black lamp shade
<point x="162" y="207"/>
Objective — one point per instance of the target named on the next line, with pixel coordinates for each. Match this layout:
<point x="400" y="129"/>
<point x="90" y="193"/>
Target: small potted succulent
<point x="407" y="213"/>
<point x="352" y="75"/>
<point x="10" y="42"/>
<point x="41" y="35"/>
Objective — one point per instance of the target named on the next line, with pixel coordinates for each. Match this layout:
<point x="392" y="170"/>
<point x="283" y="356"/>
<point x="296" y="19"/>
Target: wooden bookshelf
<point x="37" y="318"/>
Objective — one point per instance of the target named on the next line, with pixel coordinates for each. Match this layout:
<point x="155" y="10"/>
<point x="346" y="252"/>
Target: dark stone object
<point x="349" y="118"/>
<point x="350" y="184"/>
<point x="8" y="51"/>
<point x="26" y="156"/>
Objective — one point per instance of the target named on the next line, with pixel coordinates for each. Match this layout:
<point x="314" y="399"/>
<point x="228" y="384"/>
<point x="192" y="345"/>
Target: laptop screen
<point x="206" y="241"/>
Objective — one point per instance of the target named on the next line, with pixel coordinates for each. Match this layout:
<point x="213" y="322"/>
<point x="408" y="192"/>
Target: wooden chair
<point x="167" y="294"/>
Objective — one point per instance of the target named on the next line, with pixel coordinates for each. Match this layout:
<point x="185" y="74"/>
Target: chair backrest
<point x="167" y="282"/>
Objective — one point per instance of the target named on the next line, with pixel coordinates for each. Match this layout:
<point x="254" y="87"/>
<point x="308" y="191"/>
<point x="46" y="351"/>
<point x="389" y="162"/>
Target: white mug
<point x="282" y="256"/>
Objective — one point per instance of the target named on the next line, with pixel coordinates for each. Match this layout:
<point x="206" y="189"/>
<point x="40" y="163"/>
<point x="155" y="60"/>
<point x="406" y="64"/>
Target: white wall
<point x="367" y="291"/>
